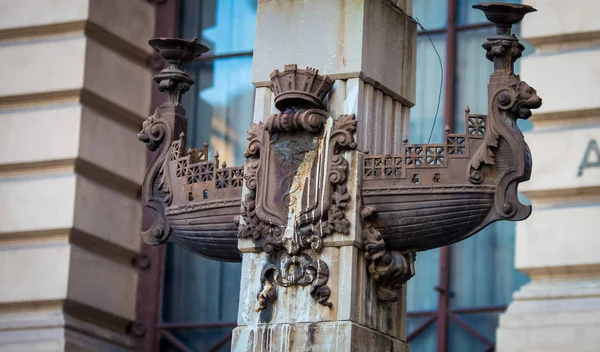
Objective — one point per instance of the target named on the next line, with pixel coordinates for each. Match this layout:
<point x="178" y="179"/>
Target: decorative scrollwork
<point x="156" y="190"/>
<point x="389" y="269"/>
<point x="301" y="270"/>
<point x="392" y="271"/>
<point x="313" y="223"/>
<point x="509" y="104"/>
<point x="342" y="133"/>
<point x="504" y="49"/>
<point x="292" y="120"/>
<point x="253" y="226"/>
<point x="476" y="177"/>
<point x="311" y="229"/>
<point x="295" y="174"/>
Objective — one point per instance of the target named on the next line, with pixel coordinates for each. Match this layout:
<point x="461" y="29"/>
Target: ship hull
<point x="419" y="219"/>
<point x="208" y="229"/>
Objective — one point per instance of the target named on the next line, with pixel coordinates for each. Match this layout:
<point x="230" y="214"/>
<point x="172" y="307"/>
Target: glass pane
<point x="460" y="339"/>
<point x="199" y="340"/>
<point x="426" y="340"/>
<point x="433" y="14"/>
<point x="224" y="97"/>
<point x="467" y="15"/>
<point x="482" y="271"/>
<point x="219" y="111"/>
<point x="421" y="294"/>
<point x="225" y="26"/>
<point x="429" y="79"/>
<point x="199" y="290"/>
<point x="472" y="75"/>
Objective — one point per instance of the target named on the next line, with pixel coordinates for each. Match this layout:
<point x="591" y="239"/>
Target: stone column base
<point x="49" y="327"/>
<point x="552" y="315"/>
<point x="342" y="336"/>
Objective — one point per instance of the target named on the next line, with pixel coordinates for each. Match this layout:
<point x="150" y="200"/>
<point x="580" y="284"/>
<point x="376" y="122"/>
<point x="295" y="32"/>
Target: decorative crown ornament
<point x="299" y="88"/>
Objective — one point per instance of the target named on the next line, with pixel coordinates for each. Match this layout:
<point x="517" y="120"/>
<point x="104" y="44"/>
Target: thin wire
<point x="437" y="109"/>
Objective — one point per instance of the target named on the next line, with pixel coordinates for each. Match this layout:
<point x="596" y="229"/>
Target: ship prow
<point x="433" y="195"/>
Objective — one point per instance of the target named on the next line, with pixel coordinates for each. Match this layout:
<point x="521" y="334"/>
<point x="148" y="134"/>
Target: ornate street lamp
<point x="295" y="187"/>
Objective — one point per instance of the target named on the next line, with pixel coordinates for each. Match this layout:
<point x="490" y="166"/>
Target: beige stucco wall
<point x="74" y="91"/>
<point x="559" y="310"/>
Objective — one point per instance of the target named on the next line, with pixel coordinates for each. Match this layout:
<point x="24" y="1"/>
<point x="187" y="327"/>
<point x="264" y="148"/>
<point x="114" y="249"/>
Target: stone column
<point x="368" y="48"/>
<point x="74" y="92"/>
<point x="559" y="310"/>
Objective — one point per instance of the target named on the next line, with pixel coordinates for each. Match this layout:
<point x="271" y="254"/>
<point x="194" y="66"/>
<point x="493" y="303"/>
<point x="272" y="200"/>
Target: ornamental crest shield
<point x="295" y="175"/>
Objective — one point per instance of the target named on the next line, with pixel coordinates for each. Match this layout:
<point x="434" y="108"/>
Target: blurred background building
<point x="75" y="85"/>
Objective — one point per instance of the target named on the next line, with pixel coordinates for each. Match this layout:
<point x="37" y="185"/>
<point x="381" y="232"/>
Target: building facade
<point x="76" y="85"/>
<point x="558" y="309"/>
<point x="75" y="275"/>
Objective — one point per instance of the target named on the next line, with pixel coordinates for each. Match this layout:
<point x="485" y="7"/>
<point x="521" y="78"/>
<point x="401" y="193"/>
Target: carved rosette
<point x="295" y="162"/>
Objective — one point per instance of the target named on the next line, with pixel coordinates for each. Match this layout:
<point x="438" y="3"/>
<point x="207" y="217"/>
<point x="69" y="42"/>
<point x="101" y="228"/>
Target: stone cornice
<point x="564" y="195"/>
<point x="85" y="96"/>
<point x="566" y="40"/>
<point x="76" y="316"/>
<point x="92" y="30"/>
<point x="42" y="98"/>
<point x="568" y="117"/>
<point x="74" y="236"/>
<point x="46" y="30"/>
<point x="80" y="166"/>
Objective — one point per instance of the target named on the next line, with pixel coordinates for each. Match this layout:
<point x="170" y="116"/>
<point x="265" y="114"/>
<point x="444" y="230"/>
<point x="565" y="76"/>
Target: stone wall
<point x="74" y="91"/>
<point x="559" y="310"/>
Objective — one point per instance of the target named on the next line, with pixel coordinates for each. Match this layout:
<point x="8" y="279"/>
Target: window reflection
<point x="429" y="79"/>
<point x="223" y="107"/>
<point x="231" y="27"/>
<point x="219" y="110"/>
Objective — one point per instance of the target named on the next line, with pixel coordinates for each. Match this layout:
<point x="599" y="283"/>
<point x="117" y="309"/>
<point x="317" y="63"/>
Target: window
<point x="458" y="292"/>
<point x="200" y="295"/>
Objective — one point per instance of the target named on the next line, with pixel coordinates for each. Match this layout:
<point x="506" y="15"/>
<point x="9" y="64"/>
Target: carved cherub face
<point x="526" y="100"/>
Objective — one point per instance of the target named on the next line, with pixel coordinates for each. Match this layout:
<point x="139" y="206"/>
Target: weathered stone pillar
<point x="368" y="48"/>
<point x="559" y="310"/>
<point x="75" y="89"/>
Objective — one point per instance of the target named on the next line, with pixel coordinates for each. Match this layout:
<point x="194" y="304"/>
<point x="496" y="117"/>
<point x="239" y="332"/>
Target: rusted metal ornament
<point x="434" y="195"/>
<point x="428" y="196"/>
<point x="197" y="200"/>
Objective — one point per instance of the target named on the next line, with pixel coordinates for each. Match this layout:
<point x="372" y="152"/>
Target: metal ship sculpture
<point x="292" y="191"/>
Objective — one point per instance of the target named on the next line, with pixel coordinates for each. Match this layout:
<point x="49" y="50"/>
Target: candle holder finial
<point x="173" y="80"/>
<point x="503" y="49"/>
<point x="504" y="15"/>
